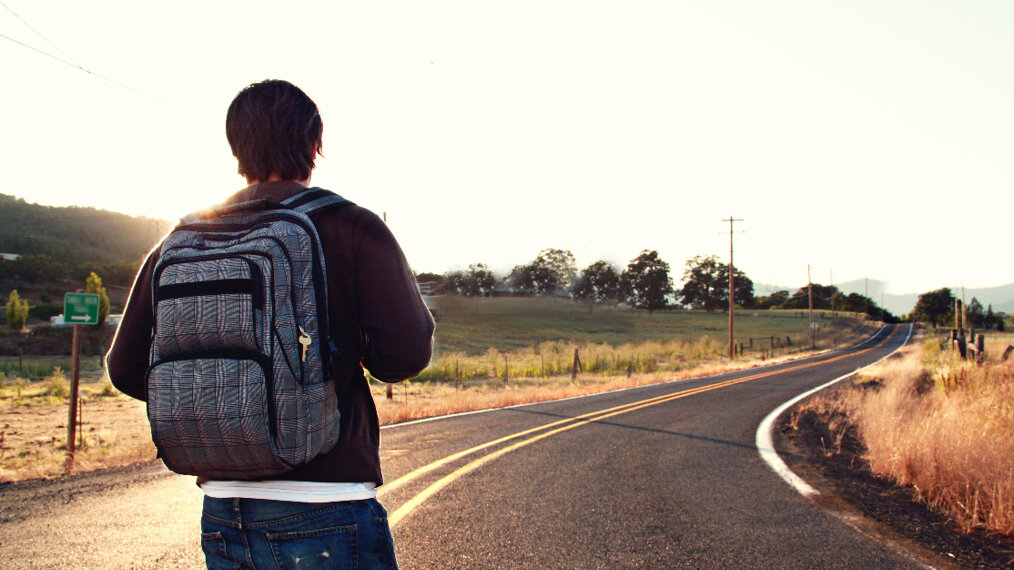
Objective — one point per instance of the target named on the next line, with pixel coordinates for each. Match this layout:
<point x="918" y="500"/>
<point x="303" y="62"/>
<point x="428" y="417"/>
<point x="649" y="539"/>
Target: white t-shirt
<point x="292" y="491"/>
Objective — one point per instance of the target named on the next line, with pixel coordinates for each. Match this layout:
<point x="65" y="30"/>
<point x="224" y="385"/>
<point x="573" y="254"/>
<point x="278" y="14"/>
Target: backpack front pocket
<point x="214" y="417"/>
<point x="210" y="304"/>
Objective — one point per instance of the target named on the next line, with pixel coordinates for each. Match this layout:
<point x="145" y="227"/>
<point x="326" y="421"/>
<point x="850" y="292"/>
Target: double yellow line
<point x="561" y="426"/>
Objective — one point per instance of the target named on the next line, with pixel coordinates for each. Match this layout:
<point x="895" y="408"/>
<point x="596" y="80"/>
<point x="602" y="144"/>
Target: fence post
<point x="1006" y="353"/>
<point x="577" y="364"/>
<point x="506" y="376"/>
<point x="980" y="344"/>
<point x="962" y="347"/>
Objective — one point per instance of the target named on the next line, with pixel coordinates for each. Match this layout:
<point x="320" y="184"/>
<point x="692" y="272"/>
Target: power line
<point x="38" y="33"/>
<point x="103" y="77"/>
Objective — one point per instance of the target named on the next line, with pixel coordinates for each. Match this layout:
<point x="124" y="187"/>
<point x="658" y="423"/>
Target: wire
<point x="38" y="33"/>
<point x="102" y="77"/>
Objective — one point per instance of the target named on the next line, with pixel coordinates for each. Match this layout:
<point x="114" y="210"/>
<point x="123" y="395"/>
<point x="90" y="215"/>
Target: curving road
<point x="660" y="476"/>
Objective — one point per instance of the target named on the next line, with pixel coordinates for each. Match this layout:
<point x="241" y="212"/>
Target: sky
<point x="862" y="139"/>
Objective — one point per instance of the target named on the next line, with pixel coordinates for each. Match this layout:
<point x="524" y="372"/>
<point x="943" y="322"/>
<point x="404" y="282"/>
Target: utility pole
<point x="834" y="313"/>
<point x="809" y="286"/>
<point x="732" y="283"/>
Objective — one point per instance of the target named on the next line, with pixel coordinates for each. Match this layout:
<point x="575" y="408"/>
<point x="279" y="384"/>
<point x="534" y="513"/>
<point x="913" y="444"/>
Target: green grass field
<point x="473" y="326"/>
<point x="537" y="337"/>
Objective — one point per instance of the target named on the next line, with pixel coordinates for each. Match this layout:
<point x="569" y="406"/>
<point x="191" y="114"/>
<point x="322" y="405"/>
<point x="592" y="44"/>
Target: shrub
<point x="56" y="384"/>
<point x="17" y="310"/>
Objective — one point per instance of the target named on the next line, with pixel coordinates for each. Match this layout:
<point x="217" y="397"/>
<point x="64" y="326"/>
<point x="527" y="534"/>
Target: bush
<point x="17" y="311"/>
<point x="56" y="384"/>
<point x="45" y="311"/>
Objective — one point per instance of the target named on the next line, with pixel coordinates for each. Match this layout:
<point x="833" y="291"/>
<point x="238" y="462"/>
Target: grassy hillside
<point x="75" y="236"/>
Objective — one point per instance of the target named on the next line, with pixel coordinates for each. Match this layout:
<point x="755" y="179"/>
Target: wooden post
<point x="80" y="423"/>
<point x="577" y="365"/>
<point x="75" y="378"/>
<point x="958" y="325"/>
<point x="1007" y="352"/>
<point x="980" y="344"/>
<point x="506" y="368"/>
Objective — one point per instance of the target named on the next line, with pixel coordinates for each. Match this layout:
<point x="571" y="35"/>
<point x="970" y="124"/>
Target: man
<point x="325" y="512"/>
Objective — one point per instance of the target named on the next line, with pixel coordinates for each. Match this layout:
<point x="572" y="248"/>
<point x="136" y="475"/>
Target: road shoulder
<point x="849" y="489"/>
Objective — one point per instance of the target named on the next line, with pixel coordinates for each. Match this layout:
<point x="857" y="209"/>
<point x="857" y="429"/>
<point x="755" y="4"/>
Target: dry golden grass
<point x="413" y="401"/>
<point x="940" y="425"/>
<point x="33" y="415"/>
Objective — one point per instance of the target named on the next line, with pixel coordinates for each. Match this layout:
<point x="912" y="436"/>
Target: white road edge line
<point x="765" y="431"/>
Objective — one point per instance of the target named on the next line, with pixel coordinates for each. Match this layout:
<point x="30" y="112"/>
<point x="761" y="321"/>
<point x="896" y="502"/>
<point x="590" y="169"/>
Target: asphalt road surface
<point x="661" y="476"/>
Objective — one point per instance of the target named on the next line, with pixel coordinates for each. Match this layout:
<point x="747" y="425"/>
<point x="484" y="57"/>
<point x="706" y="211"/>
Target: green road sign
<point x="81" y="309"/>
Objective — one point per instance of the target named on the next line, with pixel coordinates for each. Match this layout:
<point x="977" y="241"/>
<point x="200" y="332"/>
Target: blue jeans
<point x="253" y="533"/>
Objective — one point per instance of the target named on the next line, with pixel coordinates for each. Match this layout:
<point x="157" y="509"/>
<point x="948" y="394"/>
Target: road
<point x="659" y="476"/>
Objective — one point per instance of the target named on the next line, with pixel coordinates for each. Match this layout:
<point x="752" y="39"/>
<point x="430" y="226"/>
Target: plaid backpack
<point x="238" y="382"/>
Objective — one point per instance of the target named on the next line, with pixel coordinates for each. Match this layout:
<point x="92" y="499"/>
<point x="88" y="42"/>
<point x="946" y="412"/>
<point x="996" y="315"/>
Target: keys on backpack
<point x="306" y="341"/>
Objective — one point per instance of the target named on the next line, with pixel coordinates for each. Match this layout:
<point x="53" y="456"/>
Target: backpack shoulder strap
<point x="314" y="200"/>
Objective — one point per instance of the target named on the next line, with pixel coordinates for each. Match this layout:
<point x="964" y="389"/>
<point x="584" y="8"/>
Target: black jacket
<point x="377" y="320"/>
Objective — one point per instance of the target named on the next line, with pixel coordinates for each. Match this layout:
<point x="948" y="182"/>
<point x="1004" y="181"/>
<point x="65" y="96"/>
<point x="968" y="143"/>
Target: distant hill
<point x="75" y="236"/>
<point x="1002" y="297"/>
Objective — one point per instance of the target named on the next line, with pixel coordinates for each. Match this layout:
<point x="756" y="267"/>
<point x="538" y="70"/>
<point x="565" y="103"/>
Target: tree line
<point x="56" y="243"/>
<point x="938" y="308"/>
<point x="645" y="283"/>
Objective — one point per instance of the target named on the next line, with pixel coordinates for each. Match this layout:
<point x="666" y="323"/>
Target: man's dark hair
<point x="274" y="128"/>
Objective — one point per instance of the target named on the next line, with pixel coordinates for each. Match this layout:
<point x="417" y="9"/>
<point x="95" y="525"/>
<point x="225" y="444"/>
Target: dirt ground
<point x="114" y="431"/>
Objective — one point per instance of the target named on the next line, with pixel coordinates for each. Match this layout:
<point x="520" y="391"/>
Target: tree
<point x="561" y="264"/>
<point x="976" y="314"/>
<point x="706" y="285"/>
<point x="772" y="301"/>
<point x="993" y="320"/>
<point x="598" y="283"/>
<point x="822" y="295"/>
<point x="646" y="283"/>
<point x="34" y="269"/>
<point x="702" y="284"/>
<point x="552" y="269"/>
<point x="934" y="306"/>
<point x="94" y="285"/>
<point x="477" y="281"/>
<point x="17" y="311"/>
